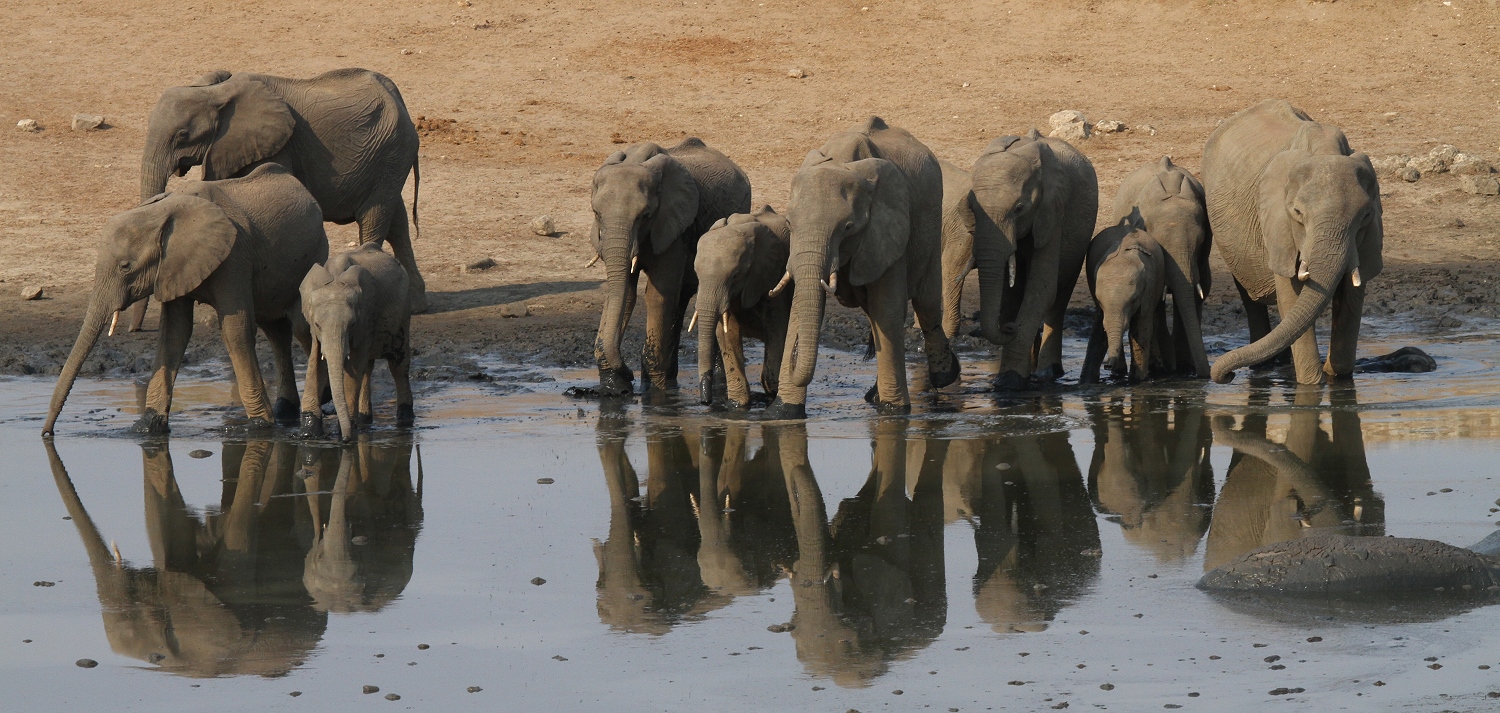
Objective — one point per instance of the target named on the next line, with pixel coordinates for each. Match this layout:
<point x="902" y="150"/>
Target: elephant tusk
<point x="1302" y="273"/>
<point x="1354" y="277"/>
<point x="724" y="321"/>
<point x="634" y="262"/>
<point x="785" y="280"/>
<point x="693" y="321"/>
<point x="1010" y="268"/>
<point x="1200" y="292"/>
<point x="112" y="322"/>
<point x="831" y="285"/>
<point x="591" y="262"/>
<point x="116" y="548"/>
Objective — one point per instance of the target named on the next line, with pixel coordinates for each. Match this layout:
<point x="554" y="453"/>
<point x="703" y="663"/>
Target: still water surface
<point x="983" y="556"/>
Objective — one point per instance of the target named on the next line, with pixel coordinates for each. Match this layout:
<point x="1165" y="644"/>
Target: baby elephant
<point x="1127" y="275"/>
<point x="739" y="261"/>
<point x="358" y="310"/>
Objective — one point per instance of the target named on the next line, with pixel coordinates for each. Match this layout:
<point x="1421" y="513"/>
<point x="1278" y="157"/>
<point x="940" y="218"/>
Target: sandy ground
<point x="539" y="92"/>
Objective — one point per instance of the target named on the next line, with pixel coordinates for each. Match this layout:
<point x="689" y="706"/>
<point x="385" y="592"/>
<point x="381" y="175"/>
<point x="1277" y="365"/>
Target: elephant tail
<point x="416" y="189"/>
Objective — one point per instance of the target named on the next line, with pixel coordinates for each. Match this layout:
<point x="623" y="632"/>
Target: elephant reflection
<point x="713" y="525"/>
<point x="225" y="592"/>
<point x="1316" y="481"/>
<point x="870" y="586"/>
<point x="1151" y="471"/>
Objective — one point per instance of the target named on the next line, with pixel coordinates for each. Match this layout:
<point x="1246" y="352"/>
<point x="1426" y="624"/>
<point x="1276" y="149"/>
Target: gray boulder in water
<point x="1330" y="564"/>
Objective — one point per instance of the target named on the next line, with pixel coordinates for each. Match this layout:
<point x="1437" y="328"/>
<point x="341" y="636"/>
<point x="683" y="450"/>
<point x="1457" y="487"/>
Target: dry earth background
<point x="524" y="99"/>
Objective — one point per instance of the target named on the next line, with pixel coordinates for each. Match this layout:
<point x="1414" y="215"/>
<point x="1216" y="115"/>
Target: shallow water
<point x="981" y="555"/>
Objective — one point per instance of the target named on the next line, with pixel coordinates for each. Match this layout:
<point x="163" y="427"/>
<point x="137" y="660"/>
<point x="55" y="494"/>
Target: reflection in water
<point x="245" y="589"/>
<point x="1280" y="491"/>
<point x="1151" y="471"/>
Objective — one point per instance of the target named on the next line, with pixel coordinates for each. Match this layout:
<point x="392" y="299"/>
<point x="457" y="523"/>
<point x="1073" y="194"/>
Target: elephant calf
<point x="1127" y="274"/>
<point x="739" y="261"/>
<point x="358" y="310"/>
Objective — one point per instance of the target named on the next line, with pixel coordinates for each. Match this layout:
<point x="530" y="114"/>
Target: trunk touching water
<point x="616" y="254"/>
<point x="1114" y="327"/>
<point x="1185" y="304"/>
<point x="334" y="353"/>
<point x="711" y="304"/>
<point x="807" y="308"/>
<point x="990" y="260"/>
<point x="1317" y="293"/>
<point x="93" y="324"/>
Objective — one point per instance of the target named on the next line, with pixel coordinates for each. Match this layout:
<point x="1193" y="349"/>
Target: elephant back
<point x="723" y="189"/>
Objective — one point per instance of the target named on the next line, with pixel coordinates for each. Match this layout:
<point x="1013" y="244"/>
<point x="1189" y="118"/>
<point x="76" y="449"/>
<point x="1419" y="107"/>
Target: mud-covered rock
<point x="1410" y="360"/>
<point x="1332" y="564"/>
<point x="1480" y="185"/>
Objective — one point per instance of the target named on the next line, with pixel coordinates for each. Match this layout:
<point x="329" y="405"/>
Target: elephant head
<point x="642" y="197"/>
<point x="853" y="216"/>
<point x="221" y="122"/>
<point x="1017" y="201"/>
<point x="1320" y="215"/>
<point x="166" y="247"/>
<point x="738" y="262"/>
<point x="332" y="305"/>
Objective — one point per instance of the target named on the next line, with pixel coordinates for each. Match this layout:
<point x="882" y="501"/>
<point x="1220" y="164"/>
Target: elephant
<point x="1151" y="472"/>
<point x="651" y="205"/>
<point x="345" y="134"/>
<point x="958" y="242"/>
<point x="1034" y="202"/>
<point x="1169" y="202"/>
<point x="1127" y="275"/>
<point x="357" y="311"/>
<point x="240" y="245"/>
<point x="1296" y="214"/>
<point x="866" y="218"/>
<point x="739" y="261"/>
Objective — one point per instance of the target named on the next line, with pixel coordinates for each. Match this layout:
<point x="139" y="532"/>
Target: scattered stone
<point x="1106" y="686"/>
<point x="538" y="581"/>
<point x="1448" y="321"/>
<point x="1109" y="126"/>
<point x="423" y="647"/>
<point x="559" y="657"/>
<point x="1439" y="160"/>
<point x="1067" y="116"/>
<point x="85" y="663"/>
<point x="87" y="122"/>
<point x="545" y="481"/>
<point x="1278" y="667"/>
<point x="796" y="73"/>
<point x="474" y="689"/>
<point x="480" y="265"/>
<point x="28" y="126"/>
<point x="1434" y="666"/>
<point x="1017" y="683"/>
<point x="1272" y="659"/>
<point x="1072" y="132"/>
<point x="883" y="540"/>
<point x="294" y="694"/>
<point x="780" y="628"/>
<point x="359" y="540"/>
<point x="392" y="697"/>
<point x="898" y="692"/>
<point x="1485" y="185"/>
<point x="31" y="292"/>
<point x="371" y="689"/>
<point x="1286" y="691"/>
<point x="1214" y="658"/>
<point x="515" y="309"/>
<point x="44" y="583"/>
<point x="542" y="225"/>
<point x="1147" y="128"/>
<point x="1379" y="683"/>
<point x="1314" y="639"/>
<point x="1409" y="174"/>
<point x="1472" y="166"/>
<point x="199" y="453"/>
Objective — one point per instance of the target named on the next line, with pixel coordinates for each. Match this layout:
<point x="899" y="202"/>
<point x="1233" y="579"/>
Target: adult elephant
<point x="866" y="215"/>
<point x="1034" y="202"/>
<point x="650" y="207"/>
<point x="1296" y="214"/>
<point x="345" y="134"/>
<point x="242" y="246"/>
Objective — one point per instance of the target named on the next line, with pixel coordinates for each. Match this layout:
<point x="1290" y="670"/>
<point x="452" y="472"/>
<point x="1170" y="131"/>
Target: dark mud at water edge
<point x="522" y="550"/>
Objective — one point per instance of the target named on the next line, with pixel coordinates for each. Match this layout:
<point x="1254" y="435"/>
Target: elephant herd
<point x="876" y="221"/>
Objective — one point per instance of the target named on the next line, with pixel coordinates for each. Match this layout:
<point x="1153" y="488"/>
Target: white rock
<point x="1067" y="116"/>
<point x="87" y="122"/>
<point x="1472" y="166"/>
<point x="28" y="125"/>
<point x="1109" y="126"/>
<point x="31" y="292"/>
<point x="1147" y="128"/>
<point x="796" y="73"/>
<point x="1077" y="131"/>
<point x="543" y="225"/>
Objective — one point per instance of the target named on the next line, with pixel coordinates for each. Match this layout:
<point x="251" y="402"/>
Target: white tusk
<point x="1200" y="292"/>
<point x="112" y="322"/>
<point x="633" y="262"/>
<point x="785" y="280"/>
<point x="1354" y="277"/>
<point x="724" y="321"/>
<point x="591" y="262"/>
<point x="1302" y="273"/>
<point x="831" y="285"/>
<point x="693" y="321"/>
<point x="116" y="547"/>
<point x="1010" y="267"/>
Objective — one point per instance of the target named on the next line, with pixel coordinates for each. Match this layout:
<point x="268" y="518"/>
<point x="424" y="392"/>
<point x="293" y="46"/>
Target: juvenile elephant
<point x="1127" y="274"/>
<point x="1171" y="208"/>
<point x="1034" y="202"/>
<point x="357" y="310"/>
<point x="650" y="207"/>
<point x="866" y="217"/>
<point x="345" y="134"/>
<point x="241" y="246"/>
<point x="1296" y="214"/>
<point x="958" y="242"/>
<point x="739" y="260"/>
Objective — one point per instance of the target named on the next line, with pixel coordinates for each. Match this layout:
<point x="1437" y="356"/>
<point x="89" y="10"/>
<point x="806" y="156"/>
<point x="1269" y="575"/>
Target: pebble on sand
<point x="85" y="663"/>
<point x="474" y="689"/>
<point x="538" y="581"/>
<point x="423" y="647"/>
<point x="371" y="689"/>
<point x="31" y="292"/>
<point x="480" y="264"/>
<point x="87" y="122"/>
<point x="294" y="694"/>
<point x="392" y="697"/>
<point x="542" y="225"/>
<point x="514" y="310"/>
<point x="28" y="126"/>
<point x="199" y="453"/>
<point x="545" y="481"/>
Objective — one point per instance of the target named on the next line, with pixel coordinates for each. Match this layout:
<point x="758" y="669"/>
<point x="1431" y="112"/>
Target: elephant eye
<point x="124" y="266"/>
<point x="1017" y="209"/>
<point x="848" y="225"/>
<point x="182" y="134"/>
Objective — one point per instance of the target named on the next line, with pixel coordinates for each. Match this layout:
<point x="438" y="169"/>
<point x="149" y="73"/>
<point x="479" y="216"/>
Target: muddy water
<point x="566" y="555"/>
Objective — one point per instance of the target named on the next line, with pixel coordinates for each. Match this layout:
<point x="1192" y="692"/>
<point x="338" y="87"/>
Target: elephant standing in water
<point x="866" y="217"/>
<point x="1296" y="214"/>
<point x="1127" y="275"/>
<point x="344" y="134"/>
<point x="739" y="260"/>
<point x="650" y="207"/>
<point x="241" y="245"/>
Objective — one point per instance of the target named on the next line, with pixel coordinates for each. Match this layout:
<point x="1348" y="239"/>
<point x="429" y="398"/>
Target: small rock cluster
<point x="1073" y="125"/>
<point x="1476" y="175"/>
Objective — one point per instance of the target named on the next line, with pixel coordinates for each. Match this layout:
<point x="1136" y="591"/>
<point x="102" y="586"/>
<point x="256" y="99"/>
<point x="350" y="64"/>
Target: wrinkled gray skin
<point x="345" y="134"/>
<point x="650" y="207"/>
<point x="1170" y="204"/>
<point x="1336" y="564"/>
<point x="739" y="261"/>
<point x="958" y="242"/>
<point x="1034" y="202"/>
<point x="1127" y="276"/>
<point x="866" y="216"/>
<point x="241" y="246"/>
<point x="1296" y="215"/>
<point x="357" y="310"/>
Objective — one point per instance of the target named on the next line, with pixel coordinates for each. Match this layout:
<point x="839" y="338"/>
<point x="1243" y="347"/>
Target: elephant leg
<point x="1305" y="358"/>
<point x="1049" y="345"/>
<point x="314" y="382"/>
<point x="400" y="367"/>
<point x="1343" y="338"/>
<point x="1163" y="352"/>
<point x="172" y="338"/>
<point x="731" y="346"/>
<point x="1142" y="338"/>
<point x="385" y="221"/>
<point x="887" y="312"/>
<point x="942" y="363"/>
<point x="279" y="334"/>
<point x="353" y="382"/>
<point x="1098" y="345"/>
<point x="663" y="319"/>
<point x="1256" y="314"/>
<point x="238" y="329"/>
<point x="1015" y="357"/>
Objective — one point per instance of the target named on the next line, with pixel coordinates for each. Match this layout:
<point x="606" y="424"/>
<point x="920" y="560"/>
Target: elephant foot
<point x="258" y="426"/>
<point x="1010" y="381"/>
<point x="285" y="412"/>
<point x="405" y="415"/>
<point x="872" y="395"/>
<point x="419" y="300"/>
<point x="889" y="409"/>
<point x="1048" y="374"/>
<point x="781" y="411"/>
<point x="333" y="430"/>
<point x="312" y="425"/>
<point x="151" y="422"/>
<point x="944" y="370"/>
<point x="616" y="382"/>
<point x="759" y="399"/>
<point x="364" y="419"/>
<point x="706" y="389"/>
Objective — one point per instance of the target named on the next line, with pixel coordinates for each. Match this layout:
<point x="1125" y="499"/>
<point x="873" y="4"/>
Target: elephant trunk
<point x="807" y="311"/>
<point x="156" y="166"/>
<point x="954" y="273"/>
<point x="1185" y="303"/>
<point x="616" y="241"/>
<point x="991" y="261"/>
<point x="94" y="319"/>
<point x="109" y="576"/>
<point x="335" y="346"/>
<point x="711" y="304"/>
<point x="1317" y="293"/>
<point x="1114" y="328"/>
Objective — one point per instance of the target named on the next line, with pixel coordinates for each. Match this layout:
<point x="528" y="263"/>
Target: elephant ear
<point x="614" y="158"/>
<point x="317" y="276"/>
<point x="814" y="158"/>
<point x="196" y="237"/>
<point x="1319" y="139"/>
<point x="253" y="124"/>
<point x="1052" y="205"/>
<point x="1372" y="238"/>
<point x="887" y="220"/>
<point x="217" y="76"/>
<point x="676" y="204"/>
<point x="1280" y="231"/>
<point x="768" y="257"/>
